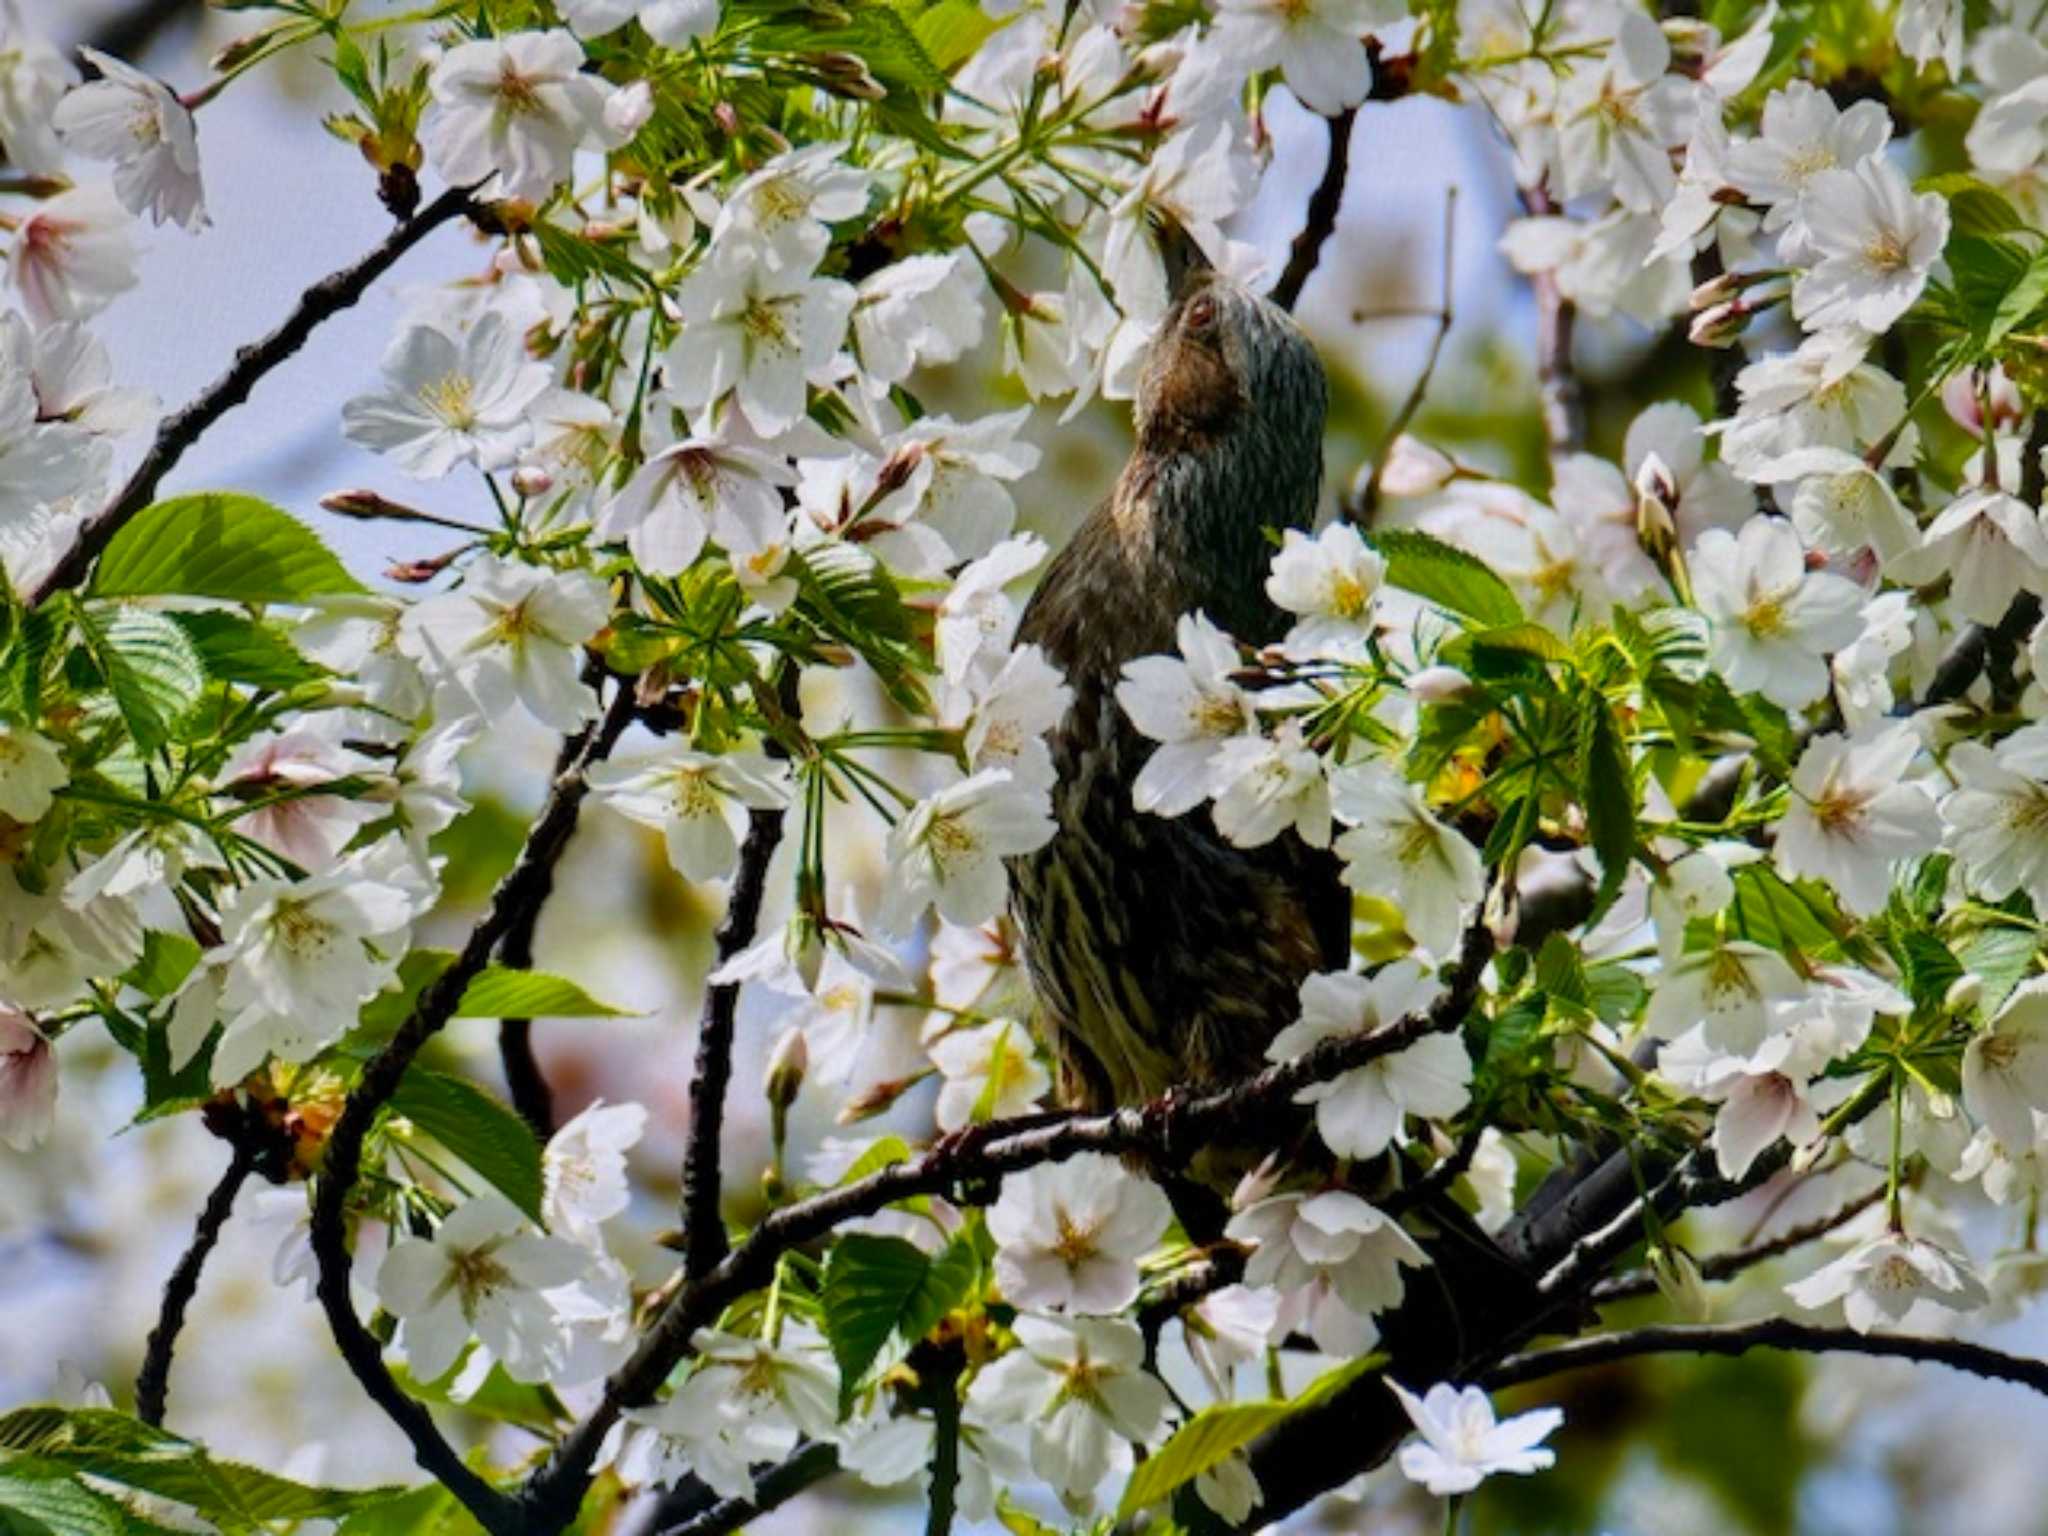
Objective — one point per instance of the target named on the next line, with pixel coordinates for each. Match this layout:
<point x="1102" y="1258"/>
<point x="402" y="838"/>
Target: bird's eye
<point x="1201" y="313"/>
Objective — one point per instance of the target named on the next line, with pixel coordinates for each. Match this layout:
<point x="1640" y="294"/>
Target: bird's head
<point x="1228" y="373"/>
<point x="1229" y="419"/>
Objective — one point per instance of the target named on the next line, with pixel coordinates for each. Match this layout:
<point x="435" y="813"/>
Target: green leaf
<point x="239" y="549"/>
<point x="1607" y="794"/>
<point x="882" y="1288"/>
<point x="150" y="670"/>
<point x="1561" y="973"/>
<point x="1930" y="969"/>
<point x="492" y="1139"/>
<point x="236" y="649"/>
<point x="502" y="993"/>
<point x="1447" y="576"/>
<point x="428" y="1511"/>
<point x="115" y="1448"/>
<point x="2001" y="958"/>
<point x="2020" y="301"/>
<point x="36" y="1497"/>
<point x="953" y="31"/>
<point x="1974" y="208"/>
<point x="1524" y="639"/>
<point x="1221" y="1430"/>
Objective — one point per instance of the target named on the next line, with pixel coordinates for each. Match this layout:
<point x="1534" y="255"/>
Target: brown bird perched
<point x="1162" y="954"/>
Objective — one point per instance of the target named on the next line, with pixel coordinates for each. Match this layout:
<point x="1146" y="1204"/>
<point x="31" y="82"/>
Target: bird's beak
<point x="1186" y="263"/>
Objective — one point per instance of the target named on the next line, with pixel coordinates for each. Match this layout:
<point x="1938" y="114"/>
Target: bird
<point x="1164" y="957"/>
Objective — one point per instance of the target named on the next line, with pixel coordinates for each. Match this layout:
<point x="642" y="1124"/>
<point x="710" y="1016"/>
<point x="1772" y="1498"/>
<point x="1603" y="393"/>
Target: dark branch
<point x="1166" y="1130"/>
<point x="524" y="1081"/>
<point x="1320" y="223"/>
<point x="808" y="1464"/>
<point x="153" y="1381"/>
<point x="703" y="1227"/>
<point x="126" y="34"/>
<point x="177" y="433"/>
<point x="522" y="887"/>
<point x="1725" y="1266"/>
<point x="1768" y="1333"/>
<point x="703" y="1177"/>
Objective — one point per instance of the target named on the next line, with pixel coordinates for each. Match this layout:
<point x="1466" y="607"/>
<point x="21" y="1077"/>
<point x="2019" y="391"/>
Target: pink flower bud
<point x="1438" y="685"/>
<point x="1413" y="468"/>
<point x="28" y="1081"/>
<point x="532" y="480"/>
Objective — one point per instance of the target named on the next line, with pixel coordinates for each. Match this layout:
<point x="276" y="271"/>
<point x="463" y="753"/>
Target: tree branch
<point x="177" y="433"/>
<point x="1767" y="1333"/>
<point x="808" y="1464"/>
<point x="153" y="1381"/>
<point x="1320" y="222"/>
<point x="1724" y="1266"/>
<point x="703" y="1177"/>
<point x="525" y="884"/>
<point x="126" y="34"/>
<point x="1164" y="1129"/>
<point x="703" y="1226"/>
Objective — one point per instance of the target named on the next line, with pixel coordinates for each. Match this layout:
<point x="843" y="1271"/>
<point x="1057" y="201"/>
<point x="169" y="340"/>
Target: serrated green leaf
<point x="1561" y="973"/>
<point x="502" y="993"/>
<point x="102" y="1444"/>
<point x="1606" y="794"/>
<point x="1974" y="207"/>
<point x="38" y="1497"/>
<point x="2020" y="301"/>
<point x="237" y="649"/>
<point x="1447" y="576"/>
<point x="239" y="549"/>
<point x="2001" y="958"/>
<point x="493" y="1140"/>
<point x="1524" y="639"/>
<point x="879" y="1155"/>
<point x="1221" y="1430"/>
<point x="149" y="669"/>
<point x="879" y="1289"/>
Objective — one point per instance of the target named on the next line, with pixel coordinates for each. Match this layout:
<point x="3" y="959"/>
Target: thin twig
<point x="1725" y="1266"/>
<point x="177" y="433"/>
<point x="1564" y="412"/>
<point x="1320" y="222"/>
<point x="1165" y="1130"/>
<point x="1369" y="498"/>
<point x="525" y="884"/>
<point x="153" y="1381"/>
<point x="1767" y="1333"/>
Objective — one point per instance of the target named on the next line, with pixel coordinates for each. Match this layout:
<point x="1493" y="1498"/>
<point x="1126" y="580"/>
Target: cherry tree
<point x="1695" y="794"/>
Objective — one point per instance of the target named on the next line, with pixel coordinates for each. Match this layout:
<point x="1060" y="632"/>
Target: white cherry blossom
<point x="1462" y="1442"/>
<point x="698" y="801"/>
<point x="135" y="121"/>
<point x="1069" y="1235"/>
<point x="450" y="400"/>
<point x="512" y="110"/>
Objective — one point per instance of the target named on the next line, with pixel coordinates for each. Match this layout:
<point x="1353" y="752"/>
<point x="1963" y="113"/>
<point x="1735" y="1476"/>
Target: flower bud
<point x="1719" y="326"/>
<point x="1964" y="396"/>
<point x="1258" y="1184"/>
<point x="896" y="471"/>
<point x="1717" y="290"/>
<point x="532" y="480"/>
<point x="876" y="1100"/>
<point x="787" y="1064"/>
<point x="1438" y="685"/>
<point x="1964" y="993"/>
<point x="1679" y="1282"/>
<point x="628" y="109"/>
<point x="28" y="1081"/>
<point x="1413" y="468"/>
<point x="368" y="506"/>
